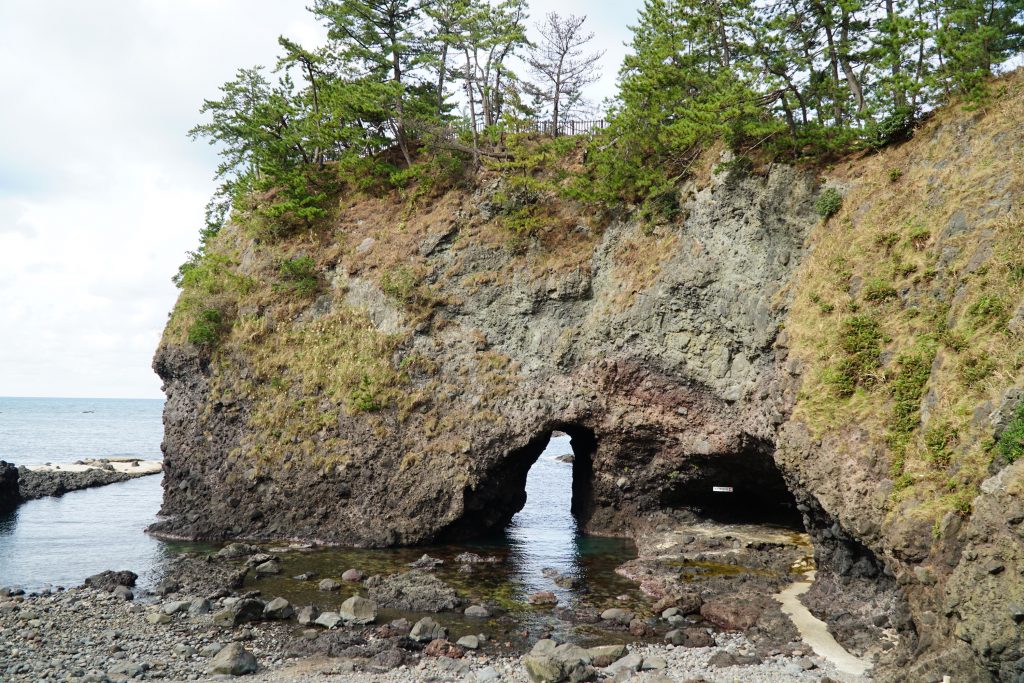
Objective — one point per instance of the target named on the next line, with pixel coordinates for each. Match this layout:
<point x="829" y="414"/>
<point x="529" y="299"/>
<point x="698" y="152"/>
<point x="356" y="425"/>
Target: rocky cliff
<point x="390" y="376"/>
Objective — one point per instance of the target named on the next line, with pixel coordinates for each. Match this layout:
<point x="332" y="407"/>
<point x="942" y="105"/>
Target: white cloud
<point x="101" y="192"/>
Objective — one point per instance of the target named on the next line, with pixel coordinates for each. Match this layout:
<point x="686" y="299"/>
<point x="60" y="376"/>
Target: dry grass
<point x="956" y="290"/>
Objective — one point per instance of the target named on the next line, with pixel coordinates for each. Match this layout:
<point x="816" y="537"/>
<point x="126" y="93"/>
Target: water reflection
<point x="544" y="534"/>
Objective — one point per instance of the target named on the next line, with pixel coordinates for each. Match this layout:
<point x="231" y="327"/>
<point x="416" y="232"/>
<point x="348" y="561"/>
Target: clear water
<point x="60" y="541"/>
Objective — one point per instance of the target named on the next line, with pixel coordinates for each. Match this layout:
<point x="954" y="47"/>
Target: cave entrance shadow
<point x="742" y="487"/>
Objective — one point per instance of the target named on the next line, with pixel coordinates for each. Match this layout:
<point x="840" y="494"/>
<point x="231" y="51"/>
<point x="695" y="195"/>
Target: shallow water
<point x="542" y="536"/>
<point x="60" y="541"/>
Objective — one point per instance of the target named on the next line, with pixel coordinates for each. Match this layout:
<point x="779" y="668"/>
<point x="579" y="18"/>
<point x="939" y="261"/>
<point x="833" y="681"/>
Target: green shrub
<point x="907" y="390"/>
<point x="988" y="308"/>
<point x="1010" y="445"/>
<point x="829" y="202"/>
<point x="973" y="369"/>
<point x="895" y="174"/>
<point x="887" y="240"/>
<point x="877" y="290"/>
<point x="364" y="398"/>
<point x="299" y="276"/>
<point x="207" y="328"/>
<point x="860" y="338"/>
<point x="940" y="440"/>
<point x="400" y="284"/>
<point x="898" y="126"/>
<point x="919" y="236"/>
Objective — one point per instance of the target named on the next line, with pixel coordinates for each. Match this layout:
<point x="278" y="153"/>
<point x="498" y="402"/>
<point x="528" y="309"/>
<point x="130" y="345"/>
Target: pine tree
<point x="558" y="60"/>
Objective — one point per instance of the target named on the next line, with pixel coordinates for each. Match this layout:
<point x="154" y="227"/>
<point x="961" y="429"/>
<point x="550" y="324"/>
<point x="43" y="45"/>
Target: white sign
<point x="722" y="489"/>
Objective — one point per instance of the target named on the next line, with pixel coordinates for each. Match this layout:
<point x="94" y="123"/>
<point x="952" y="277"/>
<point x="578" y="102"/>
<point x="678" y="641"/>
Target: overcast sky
<point x="102" y="193"/>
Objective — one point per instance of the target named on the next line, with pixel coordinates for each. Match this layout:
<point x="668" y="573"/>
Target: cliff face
<point x="403" y="395"/>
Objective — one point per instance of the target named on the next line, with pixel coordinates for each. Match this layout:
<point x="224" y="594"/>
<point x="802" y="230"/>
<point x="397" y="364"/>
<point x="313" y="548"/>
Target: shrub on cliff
<point x="1010" y="446"/>
<point x="207" y="328"/>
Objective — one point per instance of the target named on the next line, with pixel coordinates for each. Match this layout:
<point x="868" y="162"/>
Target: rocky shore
<point x="207" y="618"/>
<point x="89" y="634"/>
<point x="39" y="481"/>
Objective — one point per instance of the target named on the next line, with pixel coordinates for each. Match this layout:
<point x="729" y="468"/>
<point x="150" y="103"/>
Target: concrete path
<point x="815" y="633"/>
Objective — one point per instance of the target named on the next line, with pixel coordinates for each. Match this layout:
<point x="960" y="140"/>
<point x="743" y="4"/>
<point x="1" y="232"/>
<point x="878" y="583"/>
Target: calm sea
<point x="60" y="541"/>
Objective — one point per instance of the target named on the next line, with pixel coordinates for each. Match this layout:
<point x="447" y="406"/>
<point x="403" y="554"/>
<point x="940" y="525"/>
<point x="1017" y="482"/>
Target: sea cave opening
<point x="743" y="486"/>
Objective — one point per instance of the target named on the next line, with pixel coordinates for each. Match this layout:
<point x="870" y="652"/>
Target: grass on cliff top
<point x="928" y="246"/>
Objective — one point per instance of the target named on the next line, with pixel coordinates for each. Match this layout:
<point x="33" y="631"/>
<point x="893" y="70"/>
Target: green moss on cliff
<point x="934" y="257"/>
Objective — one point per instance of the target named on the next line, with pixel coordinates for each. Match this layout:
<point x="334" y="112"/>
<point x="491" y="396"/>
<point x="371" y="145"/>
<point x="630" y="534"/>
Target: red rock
<point x="730" y="615"/>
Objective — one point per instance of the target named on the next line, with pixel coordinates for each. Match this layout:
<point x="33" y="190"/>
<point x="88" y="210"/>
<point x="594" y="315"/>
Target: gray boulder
<point x="240" y="612"/>
<point x="328" y="585"/>
<point x="278" y="608"/>
<point x="358" y="610"/>
<point x="233" y="660"/>
<point x="307" y="615"/>
<point x="328" y="619"/>
<point x="426" y="630"/>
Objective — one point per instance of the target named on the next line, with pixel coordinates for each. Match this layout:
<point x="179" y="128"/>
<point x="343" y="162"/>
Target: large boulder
<point x="240" y="612"/>
<point x="233" y="660"/>
<point x="426" y="630"/>
<point x="551" y="663"/>
<point x="109" y="580"/>
<point x="357" y="610"/>
<point x="415" y="591"/>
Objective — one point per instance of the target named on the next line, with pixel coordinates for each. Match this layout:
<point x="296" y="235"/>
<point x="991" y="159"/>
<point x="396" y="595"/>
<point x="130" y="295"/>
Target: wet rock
<point x="307" y="615"/>
<point x="731" y="615"/>
<point x="426" y="630"/>
<point x="415" y="591"/>
<point x="268" y="568"/>
<point x="241" y="612"/>
<point x="109" y="580"/>
<point x="690" y="637"/>
<point x="167" y="587"/>
<point x="305" y="576"/>
<point x="566" y="581"/>
<point x="426" y="562"/>
<point x="617" y="615"/>
<point x="477" y="611"/>
<point x="234" y="551"/>
<point x="233" y="660"/>
<point x="542" y="598"/>
<point x="353" y="575"/>
<point x="470" y="642"/>
<point x="123" y="592"/>
<point x="469" y="558"/>
<point x="328" y="585"/>
<point x="278" y="608"/>
<point x="328" y="619"/>
<point x="358" y="610"/>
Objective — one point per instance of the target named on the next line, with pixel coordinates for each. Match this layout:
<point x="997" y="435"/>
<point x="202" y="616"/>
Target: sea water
<point x="60" y="541"/>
